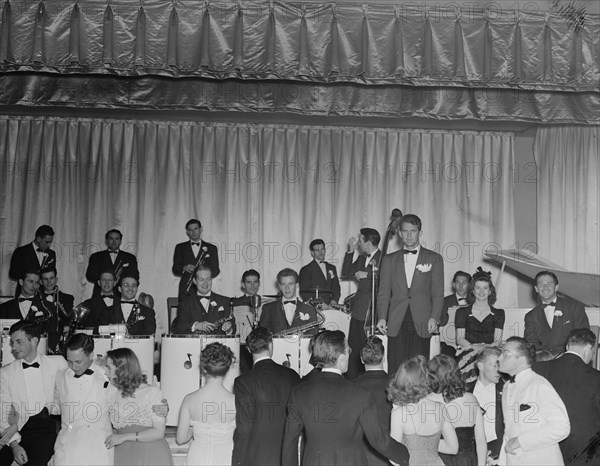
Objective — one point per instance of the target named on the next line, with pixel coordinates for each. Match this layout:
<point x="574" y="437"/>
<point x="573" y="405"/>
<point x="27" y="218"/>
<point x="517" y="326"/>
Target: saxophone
<point x="217" y="326"/>
<point x="302" y="328"/>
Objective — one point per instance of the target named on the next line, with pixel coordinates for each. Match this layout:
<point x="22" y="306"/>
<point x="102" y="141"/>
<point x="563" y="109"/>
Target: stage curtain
<point x="438" y="60"/>
<point x="262" y="192"/>
<point x="568" y="196"/>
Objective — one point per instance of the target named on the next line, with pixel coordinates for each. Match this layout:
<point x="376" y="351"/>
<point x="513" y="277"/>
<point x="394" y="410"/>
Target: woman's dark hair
<point x="128" y="372"/>
<point x="481" y="276"/>
<point x="445" y="378"/>
<point x="216" y="359"/>
<point x="409" y="384"/>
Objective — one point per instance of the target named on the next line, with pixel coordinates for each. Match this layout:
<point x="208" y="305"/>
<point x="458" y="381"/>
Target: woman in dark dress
<point x="479" y="324"/>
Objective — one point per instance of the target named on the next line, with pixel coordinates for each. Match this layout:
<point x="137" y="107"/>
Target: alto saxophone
<point x="302" y="328"/>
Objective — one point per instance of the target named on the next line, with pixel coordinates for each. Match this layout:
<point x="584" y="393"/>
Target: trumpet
<point x="302" y="328"/>
<point x="203" y="255"/>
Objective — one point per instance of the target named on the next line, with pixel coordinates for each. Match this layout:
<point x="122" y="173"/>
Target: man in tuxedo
<point x="28" y="304"/>
<point x="139" y="319"/>
<point x="121" y="263"/>
<point x="411" y="295"/>
<point x="334" y="414"/>
<point x="376" y="380"/>
<point x="319" y="274"/>
<point x="101" y="306"/>
<point x="187" y="254"/>
<point x="287" y="312"/>
<point x="200" y="311"/>
<point x="535" y="418"/>
<point x="488" y="391"/>
<point x="548" y="325"/>
<point x="81" y="396"/>
<point x="36" y="255"/>
<point x="460" y="286"/>
<point x="58" y="305"/>
<point x="261" y="396"/>
<point x="27" y="385"/>
<point x="246" y="310"/>
<point x="578" y="384"/>
<point x="363" y="255"/>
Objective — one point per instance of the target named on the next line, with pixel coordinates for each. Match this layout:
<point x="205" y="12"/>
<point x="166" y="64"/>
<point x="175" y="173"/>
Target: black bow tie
<point x="111" y="296"/>
<point x="553" y="304"/>
<point x="204" y="297"/>
<point x="39" y="250"/>
<point x="113" y="252"/>
<point x="512" y="378"/>
<point x="408" y="251"/>
<point x="195" y="244"/>
<point x="87" y="372"/>
<point x="27" y="366"/>
<point x="25" y="299"/>
<point x="127" y="302"/>
<point x="290" y="302"/>
<point x="464" y="300"/>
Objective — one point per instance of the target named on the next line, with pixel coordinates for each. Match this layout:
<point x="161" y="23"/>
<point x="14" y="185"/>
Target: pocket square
<point x="304" y="316"/>
<point x="423" y="267"/>
<point x="524" y="407"/>
<point x="567" y="322"/>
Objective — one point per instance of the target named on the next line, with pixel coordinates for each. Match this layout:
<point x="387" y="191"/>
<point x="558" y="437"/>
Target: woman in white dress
<point x="208" y="415"/>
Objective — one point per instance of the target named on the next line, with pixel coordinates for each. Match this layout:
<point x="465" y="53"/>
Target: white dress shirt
<point x="410" y="262"/>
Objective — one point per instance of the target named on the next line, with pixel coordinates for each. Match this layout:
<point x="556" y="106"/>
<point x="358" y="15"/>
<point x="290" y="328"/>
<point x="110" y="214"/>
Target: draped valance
<point x="406" y="43"/>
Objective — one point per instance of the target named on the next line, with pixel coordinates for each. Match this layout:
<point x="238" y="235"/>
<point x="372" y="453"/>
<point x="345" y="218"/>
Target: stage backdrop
<point x="262" y="192"/>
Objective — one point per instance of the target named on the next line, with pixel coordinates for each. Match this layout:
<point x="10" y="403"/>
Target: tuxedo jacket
<point x="334" y="414"/>
<point x="495" y="445"/>
<point x="101" y="262"/>
<point x="184" y="255"/>
<point x="362" y="299"/>
<point x="25" y="258"/>
<point x="535" y="414"/>
<point x="191" y="310"/>
<point x="376" y="382"/>
<point x="85" y="421"/>
<point x="11" y="310"/>
<point x="449" y="301"/>
<point x="261" y="397"/>
<point x="141" y="321"/>
<point x="273" y="316"/>
<point x="425" y="295"/>
<point x="311" y="276"/>
<point x="539" y="333"/>
<point x="14" y="391"/>
<point x="100" y="313"/>
<point x="578" y="385"/>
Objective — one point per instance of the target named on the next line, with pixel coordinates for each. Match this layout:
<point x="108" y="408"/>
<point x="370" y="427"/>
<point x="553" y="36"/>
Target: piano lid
<point x="584" y="287"/>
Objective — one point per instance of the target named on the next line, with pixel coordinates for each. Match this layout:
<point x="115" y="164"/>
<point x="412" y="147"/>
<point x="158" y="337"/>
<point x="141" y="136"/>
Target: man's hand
<point x="512" y="446"/>
<point x="19" y="453"/>
<point x="361" y="274"/>
<point x="432" y="326"/>
<point x="189" y="268"/>
<point x="352" y="244"/>
<point x="8" y="433"/>
<point x="161" y="410"/>
<point x="382" y="326"/>
<point x="227" y="326"/>
<point x="203" y="327"/>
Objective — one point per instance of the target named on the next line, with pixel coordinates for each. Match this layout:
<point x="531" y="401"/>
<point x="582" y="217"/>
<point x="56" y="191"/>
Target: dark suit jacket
<point x="495" y="445"/>
<point x="141" y="321"/>
<point x="539" y="333"/>
<point x="579" y="387"/>
<point x="377" y="382"/>
<point x="101" y="262"/>
<point x="362" y="299"/>
<point x="425" y="295"/>
<point x="273" y="316"/>
<point x="334" y="414"/>
<point x="449" y="301"/>
<point x="54" y="326"/>
<point x="25" y="258"/>
<point x="184" y="255"/>
<point x="99" y="311"/>
<point x="311" y="276"/>
<point x="10" y="310"/>
<point x="190" y="310"/>
<point x="261" y="397"/>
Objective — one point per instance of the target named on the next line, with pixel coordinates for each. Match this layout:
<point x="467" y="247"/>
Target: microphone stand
<point x="374" y="287"/>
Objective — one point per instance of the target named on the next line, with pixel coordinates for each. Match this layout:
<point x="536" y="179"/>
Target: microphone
<point x="255" y="301"/>
<point x="396" y="221"/>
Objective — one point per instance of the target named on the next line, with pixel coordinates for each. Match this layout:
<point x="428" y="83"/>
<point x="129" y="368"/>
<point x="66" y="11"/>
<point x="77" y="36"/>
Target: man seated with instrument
<point x="57" y="305"/>
<point x="121" y="263"/>
<point x="190" y="254"/>
<point x="288" y="314"/>
<point x="318" y="279"/>
<point x="27" y="305"/>
<point x="100" y="306"/>
<point x="204" y="311"/>
<point x="138" y="319"/>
